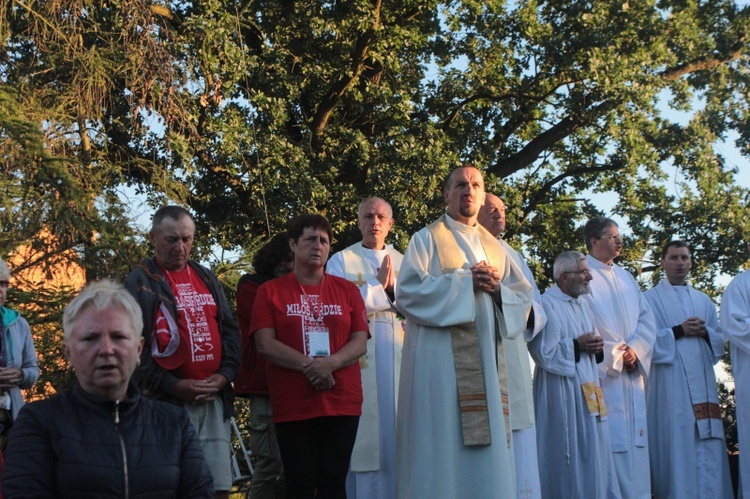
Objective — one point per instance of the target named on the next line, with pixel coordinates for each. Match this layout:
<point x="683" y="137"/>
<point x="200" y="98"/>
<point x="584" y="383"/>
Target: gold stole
<point x="594" y="399"/>
<point x="467" y="356"/>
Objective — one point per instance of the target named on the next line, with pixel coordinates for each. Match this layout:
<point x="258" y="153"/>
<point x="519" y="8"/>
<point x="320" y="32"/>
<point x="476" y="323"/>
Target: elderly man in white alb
<point x="734" y="318"/>
<point x="686" y="435"/>
<point x="492" y="217"/>
<point x="625" y="321"/>
<point x="461" y="295"/>
<point x="373" y="266"/>
<point x="572" y="429"/>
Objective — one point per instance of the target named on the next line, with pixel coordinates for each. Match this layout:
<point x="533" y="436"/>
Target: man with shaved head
<point x="373" y="266"/>
<point x="462" y="296"/>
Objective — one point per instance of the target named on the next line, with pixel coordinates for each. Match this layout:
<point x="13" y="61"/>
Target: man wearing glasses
<point x="575" y="452"/>
<point x="624" y="319"/>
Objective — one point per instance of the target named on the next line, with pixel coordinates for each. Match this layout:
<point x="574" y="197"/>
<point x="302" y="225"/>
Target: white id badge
<point x="319" y="343"/>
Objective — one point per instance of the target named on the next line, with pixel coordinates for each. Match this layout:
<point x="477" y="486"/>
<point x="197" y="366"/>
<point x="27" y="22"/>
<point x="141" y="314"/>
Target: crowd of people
<point x="374" y="374"/>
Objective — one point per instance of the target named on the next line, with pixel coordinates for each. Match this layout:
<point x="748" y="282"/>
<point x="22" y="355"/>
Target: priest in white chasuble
<point x="734" y="317"/>
<point x="572" y="430"/>
<point x="625" y="321"/>
<point x="686" y="434"/>
<point x="373" y="266"/>
<point x="461" y="296"/>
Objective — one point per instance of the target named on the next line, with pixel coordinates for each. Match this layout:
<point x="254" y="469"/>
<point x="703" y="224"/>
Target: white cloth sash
<point x="701" y="386"/>
<point x="617" y="315"/>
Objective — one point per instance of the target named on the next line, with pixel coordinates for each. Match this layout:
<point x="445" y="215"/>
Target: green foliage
<point x="255" y="110"/>
<point x="43" y="309"/>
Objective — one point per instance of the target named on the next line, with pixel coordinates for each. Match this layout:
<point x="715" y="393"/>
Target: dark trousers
<point x="316" y="454"/>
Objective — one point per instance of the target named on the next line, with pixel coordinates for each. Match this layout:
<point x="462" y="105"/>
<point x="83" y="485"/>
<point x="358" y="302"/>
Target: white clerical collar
<point x="375" y="251"/>
<point x="560" y="294"/>
<point x="461" y="227"/>
<point x="598" y="264"/>
<point x="677" y="287"/>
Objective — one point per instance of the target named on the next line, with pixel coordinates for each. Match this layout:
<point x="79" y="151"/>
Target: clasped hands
<point x="629" y="358"/>
<point x="9" y="377"/>
<point x="319" y="373"/>
<point x="485" y="277"/>
<point x="200" y="391"/>
<point x="590" y="343"/>
<point x="694" y="326"/>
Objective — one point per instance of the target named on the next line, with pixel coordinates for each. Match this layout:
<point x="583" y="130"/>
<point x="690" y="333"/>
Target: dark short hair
<point x="308" y="221"/>
<point x="595" y="227"/>
<point x="275" y="252"/>
<point x="172" y="211"/>
<point x="673" y="244"/>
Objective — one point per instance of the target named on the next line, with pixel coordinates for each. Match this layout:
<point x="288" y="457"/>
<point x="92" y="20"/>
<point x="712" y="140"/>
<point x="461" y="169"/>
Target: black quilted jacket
<point x="78" y="445"/>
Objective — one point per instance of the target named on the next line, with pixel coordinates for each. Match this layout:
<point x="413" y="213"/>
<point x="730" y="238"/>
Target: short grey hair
<point x="567" y="261"/>
<point x="102" y="295"/>
<point x="170" y="211"/>
<point x="595" y="228"/>
<point x="4" y="270"/>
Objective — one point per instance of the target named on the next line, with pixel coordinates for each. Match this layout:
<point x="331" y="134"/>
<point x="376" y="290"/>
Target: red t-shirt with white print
<point x="294" y="311"/>
<point x="197" y="322"/>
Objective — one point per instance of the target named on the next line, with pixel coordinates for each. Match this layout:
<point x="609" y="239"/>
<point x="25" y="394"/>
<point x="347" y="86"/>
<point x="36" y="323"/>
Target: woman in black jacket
<point x="101" y="438"/>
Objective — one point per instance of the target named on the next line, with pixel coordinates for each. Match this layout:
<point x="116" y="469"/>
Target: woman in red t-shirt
<point x="312" y="328"/>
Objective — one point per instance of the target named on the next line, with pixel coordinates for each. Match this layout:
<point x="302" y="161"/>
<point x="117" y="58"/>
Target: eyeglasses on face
<point x="615" y="237"/>
<point x="584" y="272"/>
<point x="4" y="284"/>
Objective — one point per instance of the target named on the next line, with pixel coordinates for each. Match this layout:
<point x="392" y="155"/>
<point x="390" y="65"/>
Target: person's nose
<point x="106" y="346"/>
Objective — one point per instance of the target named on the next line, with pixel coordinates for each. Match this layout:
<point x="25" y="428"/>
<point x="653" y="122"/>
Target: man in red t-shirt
<point x="192" y="349"/>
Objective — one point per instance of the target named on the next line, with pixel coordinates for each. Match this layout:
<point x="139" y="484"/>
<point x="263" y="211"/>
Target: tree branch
<point x="338" y="89"/>
<point x="571" y="123"/>
<point x="531" y="151"/>
<point x="494" y="98"/>
<point x="541" y="193"/>
<point x="706" y="63"/>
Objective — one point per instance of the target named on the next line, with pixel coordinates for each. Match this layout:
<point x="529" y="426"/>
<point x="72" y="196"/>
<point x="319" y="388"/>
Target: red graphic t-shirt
<point x="298" y="313"/>
<point x="197" y="323"/>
